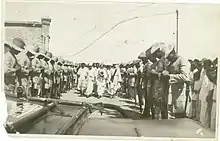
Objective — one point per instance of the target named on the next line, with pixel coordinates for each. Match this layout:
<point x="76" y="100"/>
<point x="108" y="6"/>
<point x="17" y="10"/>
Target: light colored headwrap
<point x="156" y="46"/>
<point x="167" y="50"/>
<point x="142" y="55"/>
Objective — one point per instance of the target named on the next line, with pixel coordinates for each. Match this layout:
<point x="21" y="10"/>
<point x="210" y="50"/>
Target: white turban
<point x="167" y="50"/>
<point x="156" y="46"/>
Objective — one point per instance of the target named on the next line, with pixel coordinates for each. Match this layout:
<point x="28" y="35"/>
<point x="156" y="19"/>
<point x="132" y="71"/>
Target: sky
<point x="74" y="26"/>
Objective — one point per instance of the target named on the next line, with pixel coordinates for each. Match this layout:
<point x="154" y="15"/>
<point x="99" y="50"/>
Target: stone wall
<point x="33" y="33"/>
<point x="30" y="35"/>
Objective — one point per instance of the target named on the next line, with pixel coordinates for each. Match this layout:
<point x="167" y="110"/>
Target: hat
<point x="142" y="55"/>
<point x="7" y="44"/>
<point x="55" y="58"/>
<point x="13" y="46"/>
<point x="32" y="49"/>
<point x="60" y="60"/>
<point x="155" y="46"/>
<point x="148" y="52"/>
<point x="101" y="73"/>
<point x="167" y="50"/>
<point x="136" y="61"/>
<point x="65" y="62"/>
<point x="19" y="43"/>
<point x="42" y="52"/>
<point x="49" y="55"/>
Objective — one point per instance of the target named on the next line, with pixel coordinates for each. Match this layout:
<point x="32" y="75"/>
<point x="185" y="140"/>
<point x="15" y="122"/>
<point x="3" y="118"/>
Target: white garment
<point x="116" y="80"/>
<point x="206" y="87"/>
<point x="90" y="79"/>
<point x="101" y="85"/>
<point x="83" y="72"/>
<point x="109" y="75"/>
<point x="213" y="113"/>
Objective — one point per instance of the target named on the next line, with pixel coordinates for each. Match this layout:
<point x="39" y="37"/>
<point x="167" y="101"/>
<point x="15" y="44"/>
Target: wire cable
<point x="104" y="34"/>
<point x="113" y="27"/>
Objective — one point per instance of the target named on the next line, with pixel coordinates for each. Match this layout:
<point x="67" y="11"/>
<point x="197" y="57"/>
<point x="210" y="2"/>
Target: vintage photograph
<point x="111" y="69"/>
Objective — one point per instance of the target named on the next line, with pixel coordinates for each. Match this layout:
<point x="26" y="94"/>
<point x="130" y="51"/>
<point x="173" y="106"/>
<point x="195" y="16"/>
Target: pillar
<point x="45" y="32"/>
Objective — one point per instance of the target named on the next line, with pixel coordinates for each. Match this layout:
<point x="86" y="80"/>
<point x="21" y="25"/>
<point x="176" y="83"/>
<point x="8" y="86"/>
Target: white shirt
<point x="83" y="72"/>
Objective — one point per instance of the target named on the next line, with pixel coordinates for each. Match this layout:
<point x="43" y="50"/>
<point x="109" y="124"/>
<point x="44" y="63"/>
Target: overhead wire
<point x="113" y="27"/>
<point x="103" y="34"/>
<point x="139" y="7"/>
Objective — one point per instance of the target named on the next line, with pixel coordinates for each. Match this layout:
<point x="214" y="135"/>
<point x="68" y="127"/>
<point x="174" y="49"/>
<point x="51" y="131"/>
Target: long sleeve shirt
<point x="9" y="64"/>
<point x="36" y="66"/>
<point x="25" y="63"/>
<point x="179" y="71"/>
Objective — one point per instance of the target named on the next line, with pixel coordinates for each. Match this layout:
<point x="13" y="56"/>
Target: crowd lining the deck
<point x="162" y="83"/>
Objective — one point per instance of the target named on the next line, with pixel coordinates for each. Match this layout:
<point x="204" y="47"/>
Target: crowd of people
<point x="32" y="71"/>
<point x="159" y="72"/>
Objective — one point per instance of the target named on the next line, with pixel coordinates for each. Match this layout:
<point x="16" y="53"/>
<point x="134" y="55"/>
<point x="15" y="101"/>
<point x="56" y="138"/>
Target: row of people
<point x="158" y="73"/>
<point x="203" y="91"/>
<point x="96" y="79"/>
<point x="163" y="77"/>
<point x="32" y="71"/>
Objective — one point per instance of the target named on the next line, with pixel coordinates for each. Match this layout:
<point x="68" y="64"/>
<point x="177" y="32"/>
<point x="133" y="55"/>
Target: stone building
<point x="32" y="32"/>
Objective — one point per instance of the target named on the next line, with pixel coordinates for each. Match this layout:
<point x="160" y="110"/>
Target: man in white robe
<point x="101" y="81"/>
<point x="82" y="73"/>
<point x="116" y="80"/>
<point x="90" y="81"/>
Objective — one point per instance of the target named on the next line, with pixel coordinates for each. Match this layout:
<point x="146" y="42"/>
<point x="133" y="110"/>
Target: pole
<point x="177" y="26"/>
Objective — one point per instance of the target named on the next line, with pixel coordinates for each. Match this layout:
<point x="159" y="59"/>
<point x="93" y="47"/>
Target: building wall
<point x="30" y="35"/>
<point x="32" y="32"/>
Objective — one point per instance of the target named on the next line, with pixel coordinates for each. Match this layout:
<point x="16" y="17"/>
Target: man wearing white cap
<point x="11" y="66"/>
<point x="82" y="73"/>
<point x="101" y="81"/>
<point x="178" y="72"/>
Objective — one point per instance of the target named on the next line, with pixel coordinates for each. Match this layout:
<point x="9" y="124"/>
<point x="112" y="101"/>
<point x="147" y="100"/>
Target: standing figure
<point x="146" y="83"/>
<point x="108" y="81"/>
<point x="205" y="95"/>
<point x="195" y="87"/>
<point x="101" y="79"/>
<point x="31" y="55"/>
<point x="57" y="77"/>
<point x="131" y="81"/>
<point x="214" y="95"/>
<point x="178" y="72"/>
<point x="11" y="66"/>
<point x="138" y="85"/>
<point x="24" y="61"/>
<point x="157" y="89"/>
<point x="90" y="81"/>
<point x="62" y="75"/>
<point x="36" y="66"/>
<point x="75" y="75"/>
<point x="51" y="74"/>
<point x="65" y="75"/>
<point x="82" y="73"/>
<point x="45" y="74"/>
<point x="116" y="80"/>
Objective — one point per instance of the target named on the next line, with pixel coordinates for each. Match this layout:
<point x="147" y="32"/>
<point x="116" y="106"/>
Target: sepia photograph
<point x="116" y="69"/>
